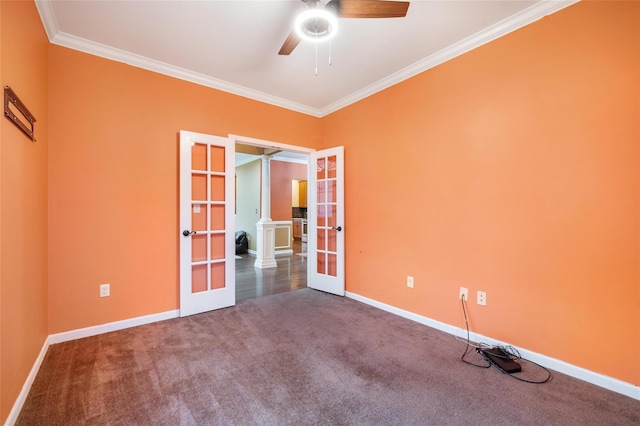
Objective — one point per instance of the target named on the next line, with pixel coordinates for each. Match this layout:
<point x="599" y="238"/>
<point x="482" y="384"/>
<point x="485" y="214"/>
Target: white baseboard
<point x="112" y="326"/>
<point x="276" y="252"/>
<point x="22" y="396"/>
<point x="597" y="379"/>
<point x="286" y="251"/>
<point x="73" y="335"/>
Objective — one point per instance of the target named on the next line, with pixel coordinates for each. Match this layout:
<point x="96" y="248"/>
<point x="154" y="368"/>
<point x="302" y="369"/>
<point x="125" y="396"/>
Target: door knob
<point x="339" y="228"/>
<point x="186" y="233"/>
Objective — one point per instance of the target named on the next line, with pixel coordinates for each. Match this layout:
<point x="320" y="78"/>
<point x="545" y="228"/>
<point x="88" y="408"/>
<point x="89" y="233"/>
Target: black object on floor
<point x="501" y="360"/>
<point x="242" y="242"/>
<point x="296" y="358"/>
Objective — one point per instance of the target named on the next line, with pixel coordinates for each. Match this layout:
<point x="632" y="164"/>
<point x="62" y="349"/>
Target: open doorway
<point x="289" y="170"/>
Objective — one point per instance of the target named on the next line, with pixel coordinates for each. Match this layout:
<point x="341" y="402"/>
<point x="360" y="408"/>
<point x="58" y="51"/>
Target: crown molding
<point x="506" y="26"/>
<point x="48" y="18"/>
<point x="119" y="55"/>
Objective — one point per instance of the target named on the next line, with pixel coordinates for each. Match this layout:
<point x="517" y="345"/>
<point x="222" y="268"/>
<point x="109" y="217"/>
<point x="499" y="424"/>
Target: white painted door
<point x="325" y="213"/>
<point x="207" y="223"/>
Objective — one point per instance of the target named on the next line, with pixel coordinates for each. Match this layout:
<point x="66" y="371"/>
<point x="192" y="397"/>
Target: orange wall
<point x="282" y="173"/>
<point x="113" y="170"/>
<point x="513" y="169"/>
<point x="23" y="210"/>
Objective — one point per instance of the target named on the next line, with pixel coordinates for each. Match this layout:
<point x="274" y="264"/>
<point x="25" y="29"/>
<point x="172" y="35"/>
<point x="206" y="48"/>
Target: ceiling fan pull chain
<point x="316" y="58"/>
<point x="329" y="52"/>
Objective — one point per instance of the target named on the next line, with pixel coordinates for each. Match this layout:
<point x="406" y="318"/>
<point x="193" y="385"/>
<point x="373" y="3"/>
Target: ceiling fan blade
<point x="289" y="44"/>
<point x="368" y="8"/>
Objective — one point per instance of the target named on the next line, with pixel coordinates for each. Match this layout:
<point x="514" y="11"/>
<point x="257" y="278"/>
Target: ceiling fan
<point x="319" y="22"/>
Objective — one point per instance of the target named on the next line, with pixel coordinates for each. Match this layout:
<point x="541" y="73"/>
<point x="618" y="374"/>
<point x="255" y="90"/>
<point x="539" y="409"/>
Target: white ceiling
<point x="291" y="157"/>
<point x="233" y="45"/>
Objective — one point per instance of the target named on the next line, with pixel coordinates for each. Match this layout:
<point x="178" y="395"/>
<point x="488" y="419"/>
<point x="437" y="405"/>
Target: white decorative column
<point x="266" y="229"/>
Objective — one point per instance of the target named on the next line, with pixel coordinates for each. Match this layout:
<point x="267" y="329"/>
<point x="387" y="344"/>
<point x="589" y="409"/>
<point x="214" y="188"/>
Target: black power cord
<point x="466" y="351"/>
<point x="509" y="353"/>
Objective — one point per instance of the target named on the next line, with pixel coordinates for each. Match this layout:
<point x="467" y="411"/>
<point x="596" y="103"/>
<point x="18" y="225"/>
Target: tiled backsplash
<point x="299" y="212"/>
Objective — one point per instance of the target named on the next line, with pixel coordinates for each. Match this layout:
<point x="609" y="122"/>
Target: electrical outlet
<point x="410" y="281"/>
<point x="464" y="294"/>
<point x="105" y="290"/>
<point x="482" y="298"/>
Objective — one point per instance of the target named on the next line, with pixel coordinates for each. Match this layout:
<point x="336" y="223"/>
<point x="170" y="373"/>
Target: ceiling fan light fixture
<point x="316" y="25"/>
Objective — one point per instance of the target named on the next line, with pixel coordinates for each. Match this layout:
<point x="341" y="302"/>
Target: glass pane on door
<point x="198" y="278"/>
<point x="199" y="156"/>
<point x="218" y="275"/>
<point x="198" y="217"/>
<point x="198" y="186"/>
<point x="198" y="247"/>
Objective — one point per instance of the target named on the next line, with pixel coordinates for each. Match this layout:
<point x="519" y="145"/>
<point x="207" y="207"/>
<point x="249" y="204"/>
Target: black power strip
<point x="500" y="359"/>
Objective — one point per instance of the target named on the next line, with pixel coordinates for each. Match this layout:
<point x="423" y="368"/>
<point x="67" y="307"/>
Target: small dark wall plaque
<point x="18" y="113"/>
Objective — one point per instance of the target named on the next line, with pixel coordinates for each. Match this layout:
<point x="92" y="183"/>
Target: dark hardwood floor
<point x="291" y="274"/>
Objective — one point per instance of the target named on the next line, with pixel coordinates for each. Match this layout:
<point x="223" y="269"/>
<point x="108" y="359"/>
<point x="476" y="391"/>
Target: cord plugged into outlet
<point x="505" y="358"/>
<point x="464" y="294"/>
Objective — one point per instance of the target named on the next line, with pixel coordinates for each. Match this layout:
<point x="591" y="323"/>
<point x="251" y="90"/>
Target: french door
<point x="207" y="223"/>
<point x="325" y="215"/>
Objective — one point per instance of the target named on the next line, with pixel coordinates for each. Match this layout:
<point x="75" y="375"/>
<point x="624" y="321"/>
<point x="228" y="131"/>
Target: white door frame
<point x="236" y="139"/>
<point x="261" y="143"/>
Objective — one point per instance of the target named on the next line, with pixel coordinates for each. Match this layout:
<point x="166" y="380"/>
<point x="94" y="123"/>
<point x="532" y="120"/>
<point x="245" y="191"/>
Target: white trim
<point x="262" y="143"/>
<point x="502" y="28"/>
<point x="24" y="392"/>
<point x="119" y="55"/>
<point x="283" y="252"/>
<point x="290" y="160"/>
<point x="519" y="20"/>
<point x="112" y="326"/>
<point x="601" y="380"/>
<point x="288" y="225"/>
<point x="73" y="335"/>
<point x="48" y="18"/>
<point x="583" y="374"/>
<point x="276" y="253"/>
